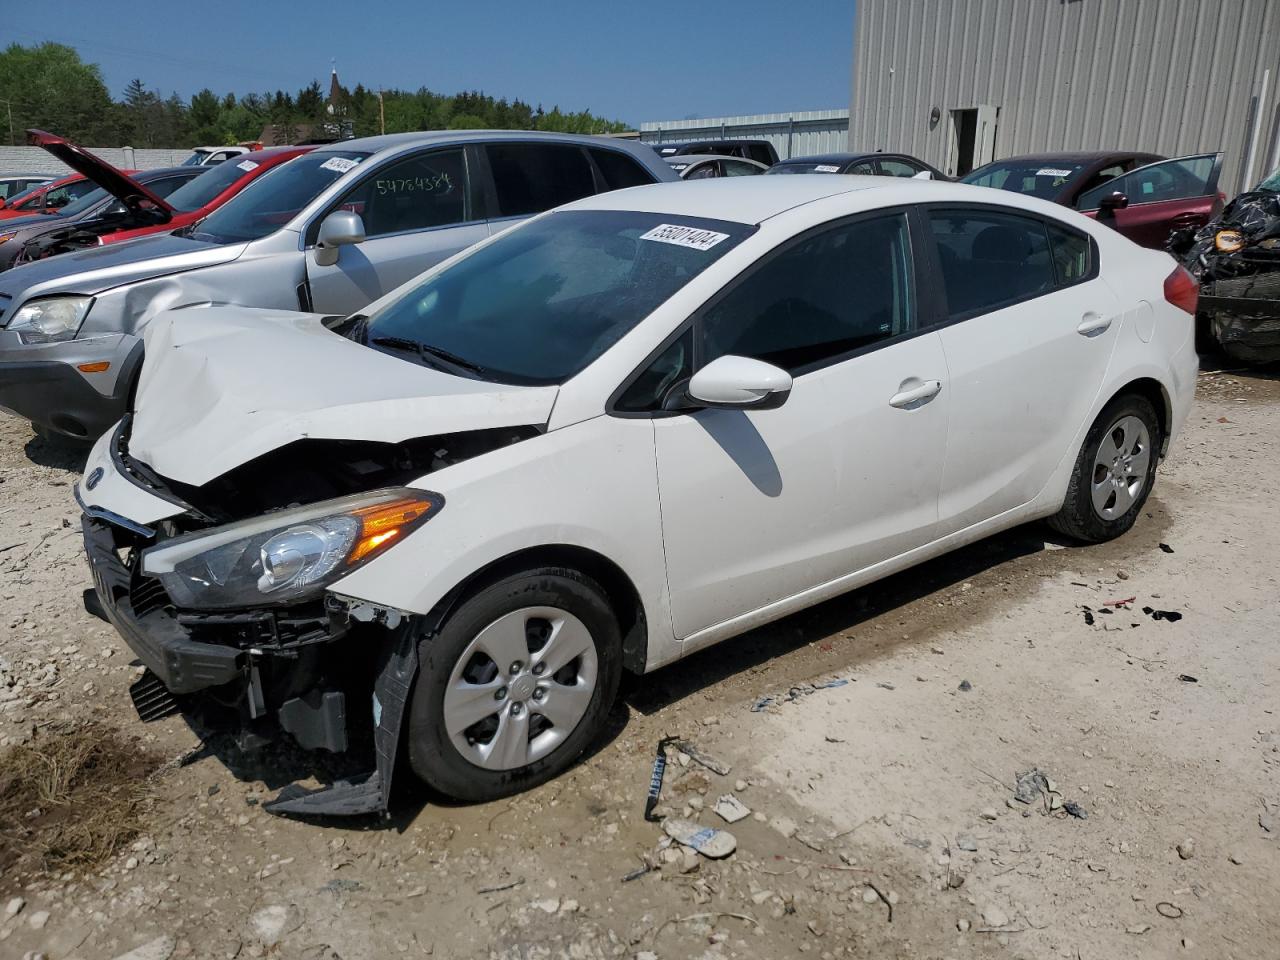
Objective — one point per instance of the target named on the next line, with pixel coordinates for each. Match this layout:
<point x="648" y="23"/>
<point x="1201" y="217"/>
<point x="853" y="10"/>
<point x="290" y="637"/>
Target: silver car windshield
<point x="543" y="301"/>
<point x="275" y="198"/>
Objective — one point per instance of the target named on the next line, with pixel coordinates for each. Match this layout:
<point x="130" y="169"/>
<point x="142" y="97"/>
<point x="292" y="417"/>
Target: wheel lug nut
<point x="500" y="694"/>
<point x="539" y="669"/>
<point x="516" y="667"/>
<point x="517" y="709"/>
<point x="539" y="694"/>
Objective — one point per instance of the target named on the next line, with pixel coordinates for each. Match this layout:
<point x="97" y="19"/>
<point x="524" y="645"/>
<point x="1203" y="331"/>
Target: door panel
<point x="1022" y="381"/>
<point x="1164" y="196"/>
<point x="758" y="506"/>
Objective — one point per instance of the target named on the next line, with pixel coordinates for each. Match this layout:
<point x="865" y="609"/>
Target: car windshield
<point x="815" y="167"/>
<point x="196" y="159"/>
<point x="1272" y="182"/>
<point x="1041" y="178"/>
<point x="540" y="303"/>
<point x="199" y="190"/>
<point x="272" y="200"/>
<point x="19" y="198"/>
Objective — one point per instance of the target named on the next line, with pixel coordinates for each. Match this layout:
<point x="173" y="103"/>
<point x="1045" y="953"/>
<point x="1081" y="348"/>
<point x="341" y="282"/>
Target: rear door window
<point x="990" y="260"/>
<point x="898" y="168"/>
<point x="619" y="170"/>
<point x="532" y="177"/>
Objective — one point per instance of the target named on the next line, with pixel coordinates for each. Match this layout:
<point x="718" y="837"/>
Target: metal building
<point x="798" y="134"/>
<point x="961" y="82"/>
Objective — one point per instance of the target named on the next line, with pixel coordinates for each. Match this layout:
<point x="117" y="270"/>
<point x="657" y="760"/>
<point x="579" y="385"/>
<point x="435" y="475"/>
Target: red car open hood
<point x="131" y="193"/>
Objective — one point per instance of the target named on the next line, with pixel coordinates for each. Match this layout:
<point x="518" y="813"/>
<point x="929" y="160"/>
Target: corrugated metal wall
<point x="799" y="134"/>
<point x="1170" y="76"/>
<point x="26" y="159"/>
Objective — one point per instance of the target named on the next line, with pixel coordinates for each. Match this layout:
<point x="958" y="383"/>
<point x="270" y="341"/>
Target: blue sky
<point x="634" y="61"/>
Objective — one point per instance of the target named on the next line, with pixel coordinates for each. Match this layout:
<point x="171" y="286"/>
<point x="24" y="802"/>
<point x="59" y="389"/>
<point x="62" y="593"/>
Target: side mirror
<point x="740" y="383"/>
<point x="1113" y="202"/>
<point x="338" y="229"/>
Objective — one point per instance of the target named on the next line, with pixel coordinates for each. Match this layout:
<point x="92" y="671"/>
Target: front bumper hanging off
<point x="273" y="664"/>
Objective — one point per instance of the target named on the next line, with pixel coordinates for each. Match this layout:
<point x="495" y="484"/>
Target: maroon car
<point x="1144" y="196"/>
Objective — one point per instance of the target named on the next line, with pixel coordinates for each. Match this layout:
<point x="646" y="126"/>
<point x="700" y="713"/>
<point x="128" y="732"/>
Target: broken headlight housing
<point x="1228" y="241"/>
<point x="288" y="555"/>
<point x="51" y="320"/>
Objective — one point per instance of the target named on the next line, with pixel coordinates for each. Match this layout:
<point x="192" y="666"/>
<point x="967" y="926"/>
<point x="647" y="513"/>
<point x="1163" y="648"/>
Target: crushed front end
<point x="332" y="673"/>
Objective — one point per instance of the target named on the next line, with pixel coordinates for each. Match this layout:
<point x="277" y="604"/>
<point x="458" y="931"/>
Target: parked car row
<point x="410" y="445"/>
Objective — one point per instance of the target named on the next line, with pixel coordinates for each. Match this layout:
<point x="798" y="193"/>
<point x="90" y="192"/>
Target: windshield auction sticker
<point x="684" y="236"/>
<point x="339" y="164"/>
<point x="826" y="168"/>
<point x="247" y="166"/>
<point x="1051" y="172"/>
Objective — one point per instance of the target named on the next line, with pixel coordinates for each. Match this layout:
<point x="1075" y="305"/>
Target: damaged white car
<point x="625" y="430"/>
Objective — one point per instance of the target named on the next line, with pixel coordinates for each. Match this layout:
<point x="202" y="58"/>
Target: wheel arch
<point x="620" y="591"/>
<point x="1157" y="395"/>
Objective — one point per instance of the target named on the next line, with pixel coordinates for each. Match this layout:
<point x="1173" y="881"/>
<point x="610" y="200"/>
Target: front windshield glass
<point x="200" y="190"/>
<point x="540" y="303"/>
<point x="272" y="200"/>
<point x="1039" y="179"/>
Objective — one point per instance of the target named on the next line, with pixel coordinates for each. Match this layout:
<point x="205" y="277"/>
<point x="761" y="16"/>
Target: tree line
<point x="49" y="87"/>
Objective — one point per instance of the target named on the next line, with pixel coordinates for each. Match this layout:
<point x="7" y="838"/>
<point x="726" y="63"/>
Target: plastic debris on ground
<point x="655" y="780"/>
<point x="1034" y="783"/>
<point x="701" y="757"/>
<point x="731" y="809"/>
<point x="796" y="693"/>
<point x="711" y="842"/>
<point x="1172" y="616"/>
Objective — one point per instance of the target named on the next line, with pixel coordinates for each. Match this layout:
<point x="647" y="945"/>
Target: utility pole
<point x="382" y="116"/>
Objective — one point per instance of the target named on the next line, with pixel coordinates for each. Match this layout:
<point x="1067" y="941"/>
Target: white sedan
<point x="628" y="429"/>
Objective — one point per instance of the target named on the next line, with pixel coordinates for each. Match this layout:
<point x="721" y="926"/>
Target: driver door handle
<point x="916" y="395"/>
<point x="1092" y="324"/>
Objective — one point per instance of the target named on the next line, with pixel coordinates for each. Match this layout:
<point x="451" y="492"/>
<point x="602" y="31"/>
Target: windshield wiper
<point x="430" y="356"/>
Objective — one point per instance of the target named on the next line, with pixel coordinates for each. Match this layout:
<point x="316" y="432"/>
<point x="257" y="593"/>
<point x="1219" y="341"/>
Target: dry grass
<point x="69" y="800"/>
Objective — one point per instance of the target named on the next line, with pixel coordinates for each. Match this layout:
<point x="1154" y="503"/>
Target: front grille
<point x="147" y="595"/>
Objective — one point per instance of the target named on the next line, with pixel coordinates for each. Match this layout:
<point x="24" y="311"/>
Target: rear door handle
<point x="1092" y="324"/>
<point x="916" y="396"/>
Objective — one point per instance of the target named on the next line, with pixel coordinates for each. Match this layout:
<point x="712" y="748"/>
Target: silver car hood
<point x="92" y="271"/>
<point x="223" y="385"/>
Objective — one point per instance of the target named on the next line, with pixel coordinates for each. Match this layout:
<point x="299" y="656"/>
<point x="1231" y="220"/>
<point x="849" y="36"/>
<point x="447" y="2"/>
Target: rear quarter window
<point x="619" y="170"/>
<point x="532" y="177"/>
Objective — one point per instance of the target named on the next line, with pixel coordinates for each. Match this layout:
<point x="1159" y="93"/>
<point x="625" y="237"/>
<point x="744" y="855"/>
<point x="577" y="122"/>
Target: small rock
<point x="550" y="905"/>
<point x="869" y="896"/>
<point x="1187" y="849"/>
<point x="14" y="907"/>
<point x="38" y="920"/>
<point x="785" y="826"/>
<point x="731" y="809"/>
<point x="571" y="906"/>
<point x="1235" y="858"/>
<point x="994" y="916"/>
<point x="1265" y="822"/>
<point x="963" y="925"/>
<point x="740" y="785"/>
<point x="161" y="948"/>
<point x="966" y="842"/>
<point x="989" y="813"/>
<point x="131" y="863"/>
<point x="965" y="686"/>
<point x="1138" y="928"/>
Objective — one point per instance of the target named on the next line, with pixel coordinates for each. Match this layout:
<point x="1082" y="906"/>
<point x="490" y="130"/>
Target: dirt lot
<point x="884" y="821"/>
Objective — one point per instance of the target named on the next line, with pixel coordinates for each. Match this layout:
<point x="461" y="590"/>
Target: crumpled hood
<point x="223" y="385"/>
<point x="96" y="269"/>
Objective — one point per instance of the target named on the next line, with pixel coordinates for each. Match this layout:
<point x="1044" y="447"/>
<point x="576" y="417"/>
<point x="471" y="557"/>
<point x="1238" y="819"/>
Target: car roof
<point x="398" y="141"/>
<point x="689" y="159"/>
<point x="841" y="158"/>
<point x="142" y="176"/>
<point x="1073" y="156"/>
<point x="736" y="199"/>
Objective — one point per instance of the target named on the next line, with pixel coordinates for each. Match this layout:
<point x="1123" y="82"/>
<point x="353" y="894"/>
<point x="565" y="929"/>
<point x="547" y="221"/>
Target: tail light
<point x="1181" y="289"/>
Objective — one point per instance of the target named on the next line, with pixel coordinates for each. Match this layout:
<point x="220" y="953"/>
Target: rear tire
<point x="1114" y="472"/>
<point x="515" y="685"/>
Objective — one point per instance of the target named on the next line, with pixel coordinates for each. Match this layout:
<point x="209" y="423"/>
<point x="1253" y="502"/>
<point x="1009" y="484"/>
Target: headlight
<point x="285" y="556"/>
<point x="50" y="320"/>
<point x="1228" y="241"/>
<point x="6" y="236"/>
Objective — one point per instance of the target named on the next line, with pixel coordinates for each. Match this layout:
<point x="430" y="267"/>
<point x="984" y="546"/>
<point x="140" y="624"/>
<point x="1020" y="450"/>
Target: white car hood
<point x="223" y="385"/>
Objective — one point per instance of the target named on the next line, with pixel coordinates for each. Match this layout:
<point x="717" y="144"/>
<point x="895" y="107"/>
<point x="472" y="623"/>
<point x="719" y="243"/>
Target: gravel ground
<point x="883" y="817"/>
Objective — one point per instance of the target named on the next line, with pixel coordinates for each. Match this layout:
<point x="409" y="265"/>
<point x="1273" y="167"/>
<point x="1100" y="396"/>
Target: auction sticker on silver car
<point x="684" y="236"/>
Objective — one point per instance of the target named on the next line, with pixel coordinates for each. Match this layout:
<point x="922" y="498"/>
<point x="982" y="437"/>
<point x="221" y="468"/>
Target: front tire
<point x="515" y="685"/>
<point x="1114" y="472"/>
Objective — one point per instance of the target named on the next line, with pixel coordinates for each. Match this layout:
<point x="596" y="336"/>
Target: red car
<point x="1143" y="196"/>
<point x="145" y="212"/>
<point x="47" y="198"/>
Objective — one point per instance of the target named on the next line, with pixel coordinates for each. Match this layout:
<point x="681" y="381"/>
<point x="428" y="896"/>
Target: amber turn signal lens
<point x="100" y="366"/>
<point x="380" y="526"/>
